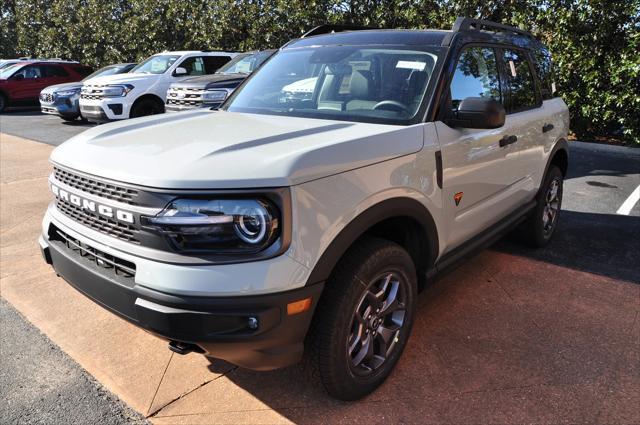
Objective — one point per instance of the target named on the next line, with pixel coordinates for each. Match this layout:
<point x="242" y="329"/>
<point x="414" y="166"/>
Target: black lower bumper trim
<point x="250" y="331"/>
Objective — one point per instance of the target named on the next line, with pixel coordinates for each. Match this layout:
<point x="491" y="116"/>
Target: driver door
<point x="34" y="80"/>
<point x="478" y="174"/>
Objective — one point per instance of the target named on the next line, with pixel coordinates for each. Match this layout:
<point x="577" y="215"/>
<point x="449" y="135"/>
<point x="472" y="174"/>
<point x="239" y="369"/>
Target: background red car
<point x="21" y="83"/>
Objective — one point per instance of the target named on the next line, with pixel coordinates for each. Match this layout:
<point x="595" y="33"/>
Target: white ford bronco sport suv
<point x="143" y="90"/>
<point x="284" y="222"/>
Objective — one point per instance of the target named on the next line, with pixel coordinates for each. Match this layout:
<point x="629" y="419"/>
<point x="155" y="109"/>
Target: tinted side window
<point x="476" y="75"/>
<point x="544" y="68"/>
<point x="56" y="71"/>
<point x="520" y="84"/>
<point x="212" y="63"/>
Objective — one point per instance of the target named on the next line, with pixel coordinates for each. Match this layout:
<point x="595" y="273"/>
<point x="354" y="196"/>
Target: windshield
<point x="6" y="64"/>
<point x="9" y="70"/>
<point x="157" y="64"/>
<point x="366" y="84"/>
<point x="245" y="63"/>
<point x="107" y="70"/>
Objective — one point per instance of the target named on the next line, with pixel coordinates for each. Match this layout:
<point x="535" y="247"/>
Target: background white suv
<point x="143" y="90"/>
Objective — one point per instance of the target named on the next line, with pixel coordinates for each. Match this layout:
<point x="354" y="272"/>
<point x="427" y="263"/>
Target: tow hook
<point x="184" y="347"/>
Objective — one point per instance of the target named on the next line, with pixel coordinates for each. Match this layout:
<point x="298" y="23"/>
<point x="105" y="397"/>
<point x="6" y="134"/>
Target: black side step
<point x="452" y="259"/>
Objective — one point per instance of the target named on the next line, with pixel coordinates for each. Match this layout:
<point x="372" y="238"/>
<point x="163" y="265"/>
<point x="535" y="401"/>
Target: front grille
<point x="121" y="269"/>
<point x="184" y="96"/>
<point x="92" y="92"/>
<point x="184" y="102"/>
<point x="46" y="97"/>
<point x="97" y="222"/>
<point x="91" y="96"/>
<point x="96" y="187"/>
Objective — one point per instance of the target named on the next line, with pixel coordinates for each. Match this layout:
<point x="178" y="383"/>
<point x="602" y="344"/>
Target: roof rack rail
<point x="328" y="28"/>
<point x="470" y="24"/>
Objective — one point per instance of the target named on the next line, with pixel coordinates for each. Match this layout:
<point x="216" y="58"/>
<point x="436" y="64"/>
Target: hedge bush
<point x="595" y="44"/>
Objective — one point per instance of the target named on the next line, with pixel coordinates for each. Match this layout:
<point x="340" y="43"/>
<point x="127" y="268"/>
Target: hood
<point x="224" y="150"/>
<point x="211" y="81"/>
<point x="127" y="77"/>
<point x="63" y="86"/>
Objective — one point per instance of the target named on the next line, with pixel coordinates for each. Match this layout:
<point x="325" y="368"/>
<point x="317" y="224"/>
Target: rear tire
<point x="363" y="320"/>
<point x="540" y="226"/>
<point x="146" y="107"/>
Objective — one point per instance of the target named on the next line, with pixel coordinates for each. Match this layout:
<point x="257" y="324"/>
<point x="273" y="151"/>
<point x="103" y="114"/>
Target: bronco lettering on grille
<point x="92" y="206"/>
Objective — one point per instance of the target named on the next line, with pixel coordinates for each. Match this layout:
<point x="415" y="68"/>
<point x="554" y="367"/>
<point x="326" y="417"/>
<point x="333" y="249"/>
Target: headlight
<point x="211" y="96"/>
<point x="67" y="93"/>
<point x="224" y="226"/>
<point x="117" y="90"/>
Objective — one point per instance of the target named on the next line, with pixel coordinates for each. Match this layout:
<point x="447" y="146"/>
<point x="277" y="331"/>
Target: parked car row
<point x="168" y="81"/>
<point x="63" y="99"/>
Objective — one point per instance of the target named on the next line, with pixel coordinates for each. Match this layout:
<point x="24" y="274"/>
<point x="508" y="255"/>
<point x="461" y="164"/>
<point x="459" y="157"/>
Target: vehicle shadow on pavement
<point x="505" y="338"/>
<point x="603" y="244"/>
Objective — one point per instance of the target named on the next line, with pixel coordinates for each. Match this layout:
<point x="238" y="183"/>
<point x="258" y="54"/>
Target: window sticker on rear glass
<point x="513" y="68"/>
<point x="411" y="65"/>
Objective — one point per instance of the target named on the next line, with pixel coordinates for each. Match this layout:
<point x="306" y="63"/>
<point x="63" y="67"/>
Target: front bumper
<point x="62" y="106"/>
<point x="222" y="327"/>
<point x="104" y="110"/>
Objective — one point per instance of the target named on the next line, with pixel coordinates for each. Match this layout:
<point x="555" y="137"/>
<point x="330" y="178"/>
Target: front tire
<point x="3" y="103"/>
<point x="540" y="226"/>
<point x="146" y="107"/>
<point x="364" y="318"/>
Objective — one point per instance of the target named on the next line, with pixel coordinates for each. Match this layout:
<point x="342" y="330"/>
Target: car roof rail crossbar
<point x="330" y="28"/>
<point x="470" y="24"/>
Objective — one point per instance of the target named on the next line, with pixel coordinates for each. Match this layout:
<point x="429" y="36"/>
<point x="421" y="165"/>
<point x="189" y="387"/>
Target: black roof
<point x="364" y="37"/>
<point x="464" y="30"/>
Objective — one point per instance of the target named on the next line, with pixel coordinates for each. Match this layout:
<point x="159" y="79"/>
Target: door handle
<point x="507" y="140"/>
<point x="547" y="127"/>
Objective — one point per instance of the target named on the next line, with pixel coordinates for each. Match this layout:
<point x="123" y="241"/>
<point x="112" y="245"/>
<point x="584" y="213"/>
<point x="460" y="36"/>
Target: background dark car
<point x="211" y="90"/>
<point x="21" y="83"/>
<point x="64" y="99"/>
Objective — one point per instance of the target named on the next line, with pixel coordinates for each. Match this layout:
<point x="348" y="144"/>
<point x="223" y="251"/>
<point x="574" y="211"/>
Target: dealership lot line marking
<point x="630" y="202"/>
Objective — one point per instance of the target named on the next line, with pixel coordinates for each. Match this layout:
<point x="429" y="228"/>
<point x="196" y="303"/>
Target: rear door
<point x="526" y="119"/>
<point x="57" y="74"/>
<point x="478" y="174"/>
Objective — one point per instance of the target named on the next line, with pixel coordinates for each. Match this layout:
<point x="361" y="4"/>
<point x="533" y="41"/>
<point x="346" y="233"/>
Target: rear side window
<point x="521" y="87"/>
<point x="55" y="71"/>
<point x="212" y="63"/>
<point x="544" y="69"/>
<point x="476" y="75"/>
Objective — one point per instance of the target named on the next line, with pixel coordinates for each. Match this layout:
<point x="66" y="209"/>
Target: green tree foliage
<point x="595" y="43"/>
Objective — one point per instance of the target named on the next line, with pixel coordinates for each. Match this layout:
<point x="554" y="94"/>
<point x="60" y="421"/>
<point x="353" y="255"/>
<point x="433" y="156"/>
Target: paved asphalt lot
<point x="40" y="384"/>
<point x="591" y="238"/>
<point x="31" y="124"/>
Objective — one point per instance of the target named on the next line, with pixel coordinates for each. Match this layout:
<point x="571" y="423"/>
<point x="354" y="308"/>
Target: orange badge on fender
<point x="458" y="197"/>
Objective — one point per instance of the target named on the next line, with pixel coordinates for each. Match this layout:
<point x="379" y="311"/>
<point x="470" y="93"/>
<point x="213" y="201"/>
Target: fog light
<point x="298" y="306"/>
<point x="253" y="323"/>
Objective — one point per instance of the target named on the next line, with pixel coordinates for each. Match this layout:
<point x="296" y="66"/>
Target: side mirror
<point x="478" y="112"/>
<point x="19" y="77"/>
<point x="180" y="71"/>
